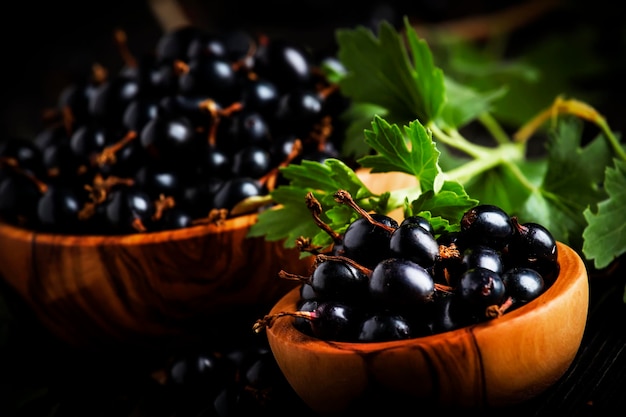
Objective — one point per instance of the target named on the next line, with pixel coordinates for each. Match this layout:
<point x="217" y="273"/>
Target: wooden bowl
<point x="133" y="290"/>
<point x="504" y="361"/>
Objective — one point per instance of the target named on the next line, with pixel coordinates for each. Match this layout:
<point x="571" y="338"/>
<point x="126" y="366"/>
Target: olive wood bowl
<point x="147" y="288"/>
<point x="500" y="362"/>
<point x="135" y="290"/>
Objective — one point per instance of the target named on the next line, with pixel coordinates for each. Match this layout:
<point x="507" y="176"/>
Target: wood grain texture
<point x="505" y="361"/>
<point x="106" y="289"/>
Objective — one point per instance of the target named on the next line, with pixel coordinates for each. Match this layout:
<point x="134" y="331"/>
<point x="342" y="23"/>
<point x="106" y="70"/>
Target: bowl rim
<point x="284" y="327"/>
<point x="15" y="232"/>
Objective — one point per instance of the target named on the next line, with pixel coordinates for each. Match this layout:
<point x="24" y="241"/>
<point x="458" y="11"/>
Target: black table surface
<point x="40" y="376"/>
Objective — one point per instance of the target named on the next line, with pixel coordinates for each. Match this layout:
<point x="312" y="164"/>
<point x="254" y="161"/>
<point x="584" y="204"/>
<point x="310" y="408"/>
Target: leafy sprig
<point x="411" y="151"/>
<point x="418" y="115"/>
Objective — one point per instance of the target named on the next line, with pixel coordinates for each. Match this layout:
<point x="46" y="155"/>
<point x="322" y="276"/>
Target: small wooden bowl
<point x="504" y="361"/>
<point x="133" y="290"/>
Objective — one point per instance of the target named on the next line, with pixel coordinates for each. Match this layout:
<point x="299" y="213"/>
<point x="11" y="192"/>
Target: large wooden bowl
<point x="500" y="362"/>
<point x="145" y="288"/>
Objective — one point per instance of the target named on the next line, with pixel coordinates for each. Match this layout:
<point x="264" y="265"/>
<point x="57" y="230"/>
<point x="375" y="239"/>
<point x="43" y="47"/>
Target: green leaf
<point x="605" y="234"/>
<point x="570" y="183"/>
<point x="358" y="118"/>
<point x="502" y="187"/>
<point x="309" y="174"/>
<point x="532" y="76"/>
<point x="285" y="221"/>
<point x="379" y="71"/>
<point x="429" y="79"/>
<point x="450" y="202"/>
<point x="419" y="159"/>
<point x="291" y="219"/>
<point x="465" y="104"/>
<point x="345" y="178"/>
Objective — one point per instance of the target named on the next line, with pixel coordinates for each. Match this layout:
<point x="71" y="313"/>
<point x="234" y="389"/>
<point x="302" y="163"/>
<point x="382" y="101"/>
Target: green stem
<point x="503" y="154"/>
<point x="470" y="169"/>
<point x="514" y="168"/>
<point x="494" y="128"/>
<point x="455" y="140"/>
<point x="612" y="139"/>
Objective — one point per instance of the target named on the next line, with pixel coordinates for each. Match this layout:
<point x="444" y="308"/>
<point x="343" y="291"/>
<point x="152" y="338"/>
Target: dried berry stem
<point x="294" y="277"/>
<point x="344" y="197"/>
<point x="217" y="113"/>
<point x="351" y="262"/>
<point x="267" y="321"/>
<point x="122" y="45"/>
<point x="215" y="216"/>
<point x="108" y="154"/>
<point x="269" y="179"/>
<point x="162" y="205"/>
<point x="304" y="244"/>
<point x="13" y="164"/>
<point x="315" y="208"/>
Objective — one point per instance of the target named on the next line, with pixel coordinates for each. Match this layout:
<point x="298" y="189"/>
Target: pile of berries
<point x="181" y="136"/>
<point x="386" y="281"/>
<point x="237" y="381"/>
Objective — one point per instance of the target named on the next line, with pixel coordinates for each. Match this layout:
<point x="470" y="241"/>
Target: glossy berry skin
<point x="75" y="99"/>
<point x="198" y="199"/>
<point x="414" y="242"/>
<point x="260" y="95"/>
<point x="297" y="111"/>
<point x="489" y="225"/>
<point x="58" y="209"/>
<point x="334" y="320"/>
<point x="307" y="292"/>
<point x="533" y="246"/>
<point x="367" y="243"/>
<point x="138" y="112"/>
<point x="447" y="313"/>
<point x="420" y="221"/>
<point x="18" y="199"/>
<point x="157" y="180"/>
<point x="212" y="77"/>
<point x="480" y="288"/>
<point x="109" y="101"/>
<point x="174" y="44"/>
<point x="27" y="155"/>
<point x="235" y="190"/>
<point x="188" y="106"/>
<point x="384" y="326"/>
<point x="523" y="284"/>
<point x="455" y="239"/>
<point x="252" y="161"/>
<point x="214" y="164"/>
<point x="126" y="207"/>
<point x="87" y="141"/>
<point x="482" y="256"/>
<point x="195" y="370"/>
<point x="400" y="283"/>
<point x="174" y="218"/>
<point x="206" y="44"/>
<point x="286" y="62"/>
<point x="167" y="138"/>
<point x="338" y="280"/>
<point x="307" y="305"/>
<point x="61" y="162"/>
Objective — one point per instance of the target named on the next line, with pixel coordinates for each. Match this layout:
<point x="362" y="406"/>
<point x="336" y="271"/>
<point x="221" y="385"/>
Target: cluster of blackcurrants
<point x="180" y="136"/>
<point x="387" y="281"/>
<point x="240" y="381"/>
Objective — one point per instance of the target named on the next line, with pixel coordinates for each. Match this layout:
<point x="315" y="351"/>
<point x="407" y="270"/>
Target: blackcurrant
<point x="489" y="225"/>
